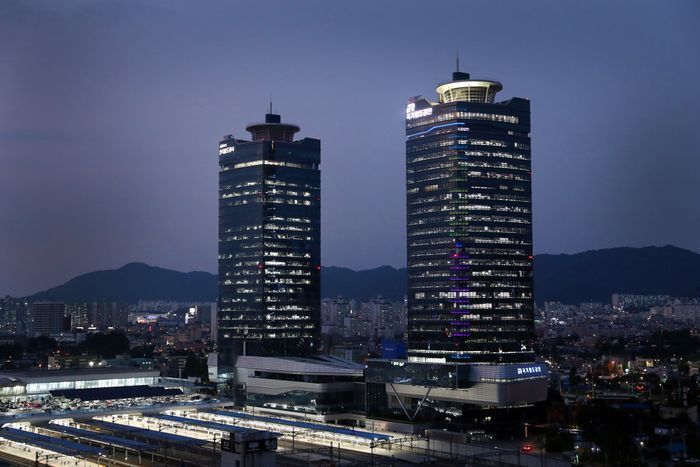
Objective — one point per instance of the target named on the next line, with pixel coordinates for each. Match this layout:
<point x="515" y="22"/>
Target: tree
<point x="197" y="367"/>
<point x="41" y="344"/>
<point x="611" y="429"/>
<point x="557" y="442"/>
<point x="143" y="351"/>
<point x="106" y="345"/>
<point x="10" y="351"/>
<point x="573" y="376"/>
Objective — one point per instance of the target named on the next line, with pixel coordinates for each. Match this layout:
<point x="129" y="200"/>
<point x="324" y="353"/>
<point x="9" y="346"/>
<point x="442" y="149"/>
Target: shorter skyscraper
<point x="269" y="244"/>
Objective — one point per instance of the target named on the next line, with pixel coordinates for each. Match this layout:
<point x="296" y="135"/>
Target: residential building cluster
<point x="370" y="320"/>
<point x="640" y="315"/>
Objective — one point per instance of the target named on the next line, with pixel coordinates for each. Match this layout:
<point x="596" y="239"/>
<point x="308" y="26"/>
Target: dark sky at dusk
<point x="110" y="115"/>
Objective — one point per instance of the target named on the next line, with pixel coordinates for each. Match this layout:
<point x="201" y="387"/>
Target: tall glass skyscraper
<point x="269" y="243"/>
<point x="469" y="225"/>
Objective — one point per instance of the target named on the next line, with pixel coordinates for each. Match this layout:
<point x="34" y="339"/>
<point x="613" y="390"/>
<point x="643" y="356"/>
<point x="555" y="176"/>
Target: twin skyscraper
<point x="469" y="239"/>
<point x="469" y="225"/>
<point x="269" y="243"/>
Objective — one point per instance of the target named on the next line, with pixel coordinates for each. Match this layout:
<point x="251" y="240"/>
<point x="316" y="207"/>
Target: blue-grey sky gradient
<point x="110" y="115"/>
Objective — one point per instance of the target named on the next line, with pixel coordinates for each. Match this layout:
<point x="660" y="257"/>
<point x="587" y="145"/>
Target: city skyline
<point x="125" y="120"/>
<point x="371" y="200"/>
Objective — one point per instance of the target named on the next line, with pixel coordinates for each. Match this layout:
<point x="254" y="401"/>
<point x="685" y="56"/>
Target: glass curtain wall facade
<point x="269" y="244"/>
<point x="469" y="225"/>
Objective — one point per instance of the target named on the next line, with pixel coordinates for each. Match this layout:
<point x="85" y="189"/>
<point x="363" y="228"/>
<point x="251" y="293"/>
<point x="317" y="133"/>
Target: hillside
<point x="138" y="281"/>
<point x="134" y="282"/>
<point x="588" y="276"/>
<point x="595" y="275"/>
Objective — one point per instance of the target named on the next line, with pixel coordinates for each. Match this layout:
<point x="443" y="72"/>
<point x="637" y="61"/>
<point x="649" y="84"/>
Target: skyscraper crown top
<point x="464" y="89"/>
<point x="273" y="129"/>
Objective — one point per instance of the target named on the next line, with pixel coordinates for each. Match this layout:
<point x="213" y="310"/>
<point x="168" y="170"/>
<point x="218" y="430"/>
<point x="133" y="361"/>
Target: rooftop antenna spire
<point x="270" y="104"/>
<point x="457" y="60"/>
